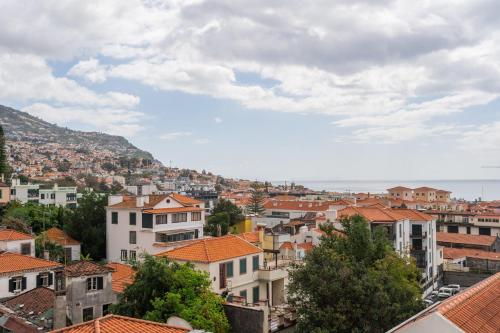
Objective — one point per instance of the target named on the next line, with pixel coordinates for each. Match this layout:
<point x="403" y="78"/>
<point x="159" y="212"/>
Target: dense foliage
<point x="162" y="289"/>
<point x="216" y="221"/>
<point x="356" y="283"/>
<point x="35" y="217"/>
<point x="5" y="169"/>
<point x="224" y="216"/>
<point x="256" y="202"/>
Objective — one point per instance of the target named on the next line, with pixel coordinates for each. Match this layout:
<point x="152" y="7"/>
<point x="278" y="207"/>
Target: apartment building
<point x="400" y="192"/>
<point x="236" y="267"/>
<point x="487" y="224"/>
<point x="17" y="242"/>
<point x="424" y="193"/>
<point x="20" y="273"/>
<point x="56" y="196"/>
<point x="149" y="223"/>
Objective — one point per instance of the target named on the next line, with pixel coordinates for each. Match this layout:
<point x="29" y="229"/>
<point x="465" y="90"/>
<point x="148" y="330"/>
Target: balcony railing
<point x="418" y="234"/>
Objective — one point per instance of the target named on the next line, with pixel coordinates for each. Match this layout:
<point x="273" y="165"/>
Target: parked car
<point x="445" y="292"/>
<point x="433" y="295"/>
<point x="455" y="288"/>
<point x="428" y="302"/>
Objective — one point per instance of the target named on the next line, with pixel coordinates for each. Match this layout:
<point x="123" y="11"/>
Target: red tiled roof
<point x="476" y="309"/>
<point x="286" y="245"/>
<point x="300" y="205"/>
<point x="184" y="200"/>
<point x="58" y="236"/>
<point x="413" y="215"/>
<point x="15" y="262"/>
<point x="131" y="202"/>
<point x="372" y="214"/>
<point x="122" y="276"/>
<point x="306" y="246"/>
<point x="399" y="188"/>
<point x="481" y="240"/>
<point x="38" y="301"/>
<point x="84" y="268"/>
<point x="173" y="210"/>
<point x="13" y="235"/>
<point x="121" y="324"/>
<point x="454" y="253"/>
<point x="209" y="250"/>
<point x="252" y="236"/>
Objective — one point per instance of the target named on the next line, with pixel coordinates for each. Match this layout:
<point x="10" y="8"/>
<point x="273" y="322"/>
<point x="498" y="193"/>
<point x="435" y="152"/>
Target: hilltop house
<point x="17" y="242"/>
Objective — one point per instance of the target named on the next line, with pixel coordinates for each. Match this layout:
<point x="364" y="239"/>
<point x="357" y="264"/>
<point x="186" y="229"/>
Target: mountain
<point x="21" y="126"/>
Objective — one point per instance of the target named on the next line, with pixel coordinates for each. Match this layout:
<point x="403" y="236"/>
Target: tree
<point x="5" y="169"/>
<point x="256" y="204"/>
<point x="88" y="224"/>
<point x="370" y="287"/>
<point x="162" y="289"/>
<point x="15" y="223"/>
<point x="56" y="251"/>
<point x="37" y="217"/>
<point x="235" y="214"/>
<point x="216" y="220"/>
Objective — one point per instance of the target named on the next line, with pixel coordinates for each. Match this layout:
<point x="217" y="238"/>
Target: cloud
<point x="90" y="70"/>
<point x="484" y="138"/>
<point x="218" y="120"/>
<point x="202" y="141"/>
<point x="174" y="135"/>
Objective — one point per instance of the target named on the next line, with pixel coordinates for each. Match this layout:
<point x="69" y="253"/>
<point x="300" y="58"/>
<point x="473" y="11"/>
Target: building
<point x="474" y="310"/>
<point x="87" y="293"/>
<point x="72" y="248"/>
<point x="467" y="222"/>
<point x="122" y="276"/>
<point x="4" y="194"/>
<point x="400" y="192"/>
<point x="424" y="194"/>
<point x="17" y="242"/>
<point x="235" y="267"/>
<point x="485" y="243"/>
<point x="57" y="196"/>
<point x="465" y="259"/>
<point x="136" y="224"/>
<point x="121" y="324"/>
<point x="20" y="273"/>
<point x="10" y="322"/>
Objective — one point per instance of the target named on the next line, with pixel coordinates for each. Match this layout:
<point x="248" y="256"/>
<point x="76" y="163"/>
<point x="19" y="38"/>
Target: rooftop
<point x="173" y="210"/>
<point x="481" y="240"/>
<point x="58" y="236"/>
<point x="372" y="214"/>
<point x="300" y="205"/>
<point x="13" y="235"/>
<point x="215" y="249"/>
<point x="84" y="268"/>
<point x="251" y="236"/>
<point x="122" y="276"/>
<point x="121" y="324"/>
<point x="454" y="253"/>
<point x="36" y="301"/>
<point x="15" y="262"/>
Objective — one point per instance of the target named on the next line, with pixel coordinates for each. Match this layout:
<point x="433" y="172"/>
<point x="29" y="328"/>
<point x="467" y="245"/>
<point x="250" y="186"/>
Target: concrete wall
<point x="483" y="264"/>
<point x="464" y="279"/>
<point x="247" y="319"/>
<point x="15" y="246"/>
<point x="30" y="282"/>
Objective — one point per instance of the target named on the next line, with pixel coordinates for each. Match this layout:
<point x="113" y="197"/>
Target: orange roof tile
<point x="58" y="236"/>
<point x="476" y="309"/>
<point x="251" y="236"/>
<point x="131" y="202"/>
<point x="13" y="235"/>
<point x="481" y="240"/>
<point x="372" y="214"/>
<point x="173" y="210"/>
<point x="286" y="246"/>
<point x="184" y="200"/>
<point x="14" y="262"/>
<point x="209" y="250"/>
<point x="120" y="324"/>
<point x="300" y="205"/>
<point x="84" y="268"/>
<point x="306" y="246"/>
<point x="413" y="215"/>
<point x="399" y="188"/>
<point x="455" y="253"/>
<point x="122" y="276"/>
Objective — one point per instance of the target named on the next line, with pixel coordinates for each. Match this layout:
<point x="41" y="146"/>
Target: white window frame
<point x="93" y="284"/>
<point x="18" y="281"/>
<point x="44" y="278"/>
<point x="123" y="255"/>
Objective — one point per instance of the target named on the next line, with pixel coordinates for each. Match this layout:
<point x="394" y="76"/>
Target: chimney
<point x="139" y="201"/>
<point x="115" y="199"/>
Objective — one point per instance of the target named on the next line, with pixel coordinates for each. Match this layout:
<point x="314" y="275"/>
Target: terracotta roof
<point x="286" y="245"/>
<point x="306" y="246"/>
<point x="122" y="276"/>
<point x="121" y="324"/>
<point x="15" y="262"/>
<point x="476" y="309"/>
<point x="85" y="267"/>
<point x="58" y="236"/>
<point x="454" y="253"/>
<point x="399" y="188"/>
<point x="302" y="205"/>
<point x="424" y="188"/>
<point x="37" y="301"/>
<point x="252" y="236"/>
<point x="413" y="215"/>
<point x="209" y="250"/>
<point x="372" y="214"/>
<point x="173" y="210"/>
<point x="13" y="235"/>
<point x="131" y="202"/>
<point x="184" y="200"/>
<point x="481" y="240"/>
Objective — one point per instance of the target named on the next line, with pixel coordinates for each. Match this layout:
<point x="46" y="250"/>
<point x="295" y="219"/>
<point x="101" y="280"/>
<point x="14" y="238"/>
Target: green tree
<point x="370" y="287"/>
<point x="235" y="214"/>
<point x="256" y="202"/>
<point x="162" y="289"/>
<point x="5" y="169"/>
<point x="37" y="217"/>
<point x="88" y="224"/>
<point x="216" y="220"/>
<point x="15" y="223"/>
<point x="56" y="251"/>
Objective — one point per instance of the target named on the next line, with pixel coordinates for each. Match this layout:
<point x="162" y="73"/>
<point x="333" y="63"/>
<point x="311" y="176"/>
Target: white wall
<point x="15" y="246"/>
<point x="30" y="282"/>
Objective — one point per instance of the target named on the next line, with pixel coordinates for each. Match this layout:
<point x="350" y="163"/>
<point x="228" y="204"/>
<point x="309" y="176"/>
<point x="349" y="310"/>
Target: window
<point x="196" y="216"/>
<point x="124" y="255"/>
<point x="453" y="229"/>
<point x="132" y="237"/>
<point x="44" y="280"/>
<point x="468" y="230"/>
<point x="255" y="263"/>
<point x="133" y="255"/>
<point x="132" y="218"/>
<point x="164" y="238"/>
<point x="42" y="196"/>
<point x="485" y="231"/>
<point x="88" y="314"/>
<point x="255" y="294"/>
<point x="17" y="284"/>
<point x="179" y="217"/>
<point x="26" y="249"/>
<point x="400" y="231"/>
<point x="52" y="195"/>
<point x="229" y="269"/>
<point x="243" y="293"/>
<point x="13" y="191"/>
<point x="67" y="254"/>
<point x="114" y="217"/>
<point x="147" y="221"/>
<point x="95" y="283"/>
<point x="161" y="219"/>
<point x="243" y="266"/>
<point x="105" y="309"/>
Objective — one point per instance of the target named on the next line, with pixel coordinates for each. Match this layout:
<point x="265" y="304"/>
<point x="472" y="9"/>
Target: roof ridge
<point x="206" y="249"/>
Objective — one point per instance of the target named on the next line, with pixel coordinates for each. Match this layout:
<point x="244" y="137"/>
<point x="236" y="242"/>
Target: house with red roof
<point x="72" y="247"/>
<point x="149" y="223"/>
<point x="17" y="242"/>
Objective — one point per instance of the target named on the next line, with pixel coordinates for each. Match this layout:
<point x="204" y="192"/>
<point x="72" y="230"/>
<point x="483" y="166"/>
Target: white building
<point x="72" y="247"/>
<point x="136" y="224"/>
<point x="17" y="242"/>
<point x="235" y="266"/>
<point x="20" y="273"/>
<point x="57" y="196"/>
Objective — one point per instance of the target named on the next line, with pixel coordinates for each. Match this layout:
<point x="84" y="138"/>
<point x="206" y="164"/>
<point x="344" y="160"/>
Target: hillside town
<point x="249" y="240"/>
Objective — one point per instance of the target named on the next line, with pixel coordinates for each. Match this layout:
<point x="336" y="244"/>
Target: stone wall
<point x="464" y="279"/>
<point x="244" y="319"/>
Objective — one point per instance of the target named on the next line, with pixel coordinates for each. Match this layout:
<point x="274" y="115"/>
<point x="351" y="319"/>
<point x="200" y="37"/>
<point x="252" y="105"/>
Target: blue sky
<point x="295" y="90"/>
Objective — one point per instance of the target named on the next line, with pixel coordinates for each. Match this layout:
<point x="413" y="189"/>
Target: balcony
<point x="420" y="257"/>
<point x="275" y="270"/>
<point x="418" y="234"/>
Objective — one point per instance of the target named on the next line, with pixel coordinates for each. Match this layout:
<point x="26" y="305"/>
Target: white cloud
<point x="484" y="138"/>
<point x="218" y="120"/>
<point x="90" y="70"/>
<point x="174" y="135"/>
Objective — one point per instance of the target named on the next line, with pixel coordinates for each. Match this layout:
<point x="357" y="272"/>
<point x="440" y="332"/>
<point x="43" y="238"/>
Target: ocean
<point x="461" y="189"/>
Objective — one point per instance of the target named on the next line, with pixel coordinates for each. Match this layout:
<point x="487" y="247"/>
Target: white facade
<point x="153" y="226"/>
<point x="57" y="196"/>
<point x="16" y="246"/>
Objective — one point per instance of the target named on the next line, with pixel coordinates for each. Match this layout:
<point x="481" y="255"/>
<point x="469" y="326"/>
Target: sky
<point x="296" y="90"/>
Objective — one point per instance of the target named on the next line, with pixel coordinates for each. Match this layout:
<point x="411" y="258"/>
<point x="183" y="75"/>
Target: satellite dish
<point x="179" y="322"/>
